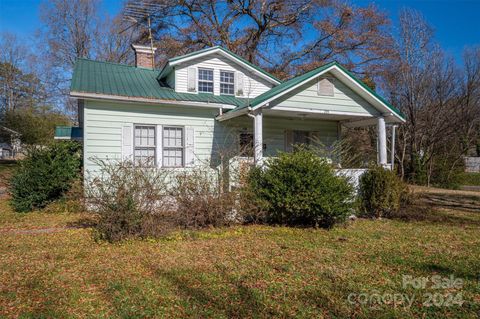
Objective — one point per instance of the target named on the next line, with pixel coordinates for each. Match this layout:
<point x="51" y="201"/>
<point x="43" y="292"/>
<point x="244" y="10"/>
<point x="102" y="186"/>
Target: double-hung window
<point x="144" y="145"/>
<point x="173" y="146"/>
<point x="227" y="82"/>
<point x="205" y="80"/>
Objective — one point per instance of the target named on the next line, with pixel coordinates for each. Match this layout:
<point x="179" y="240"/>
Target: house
<point x="10" y="144"/>
<point x="202" y="103"/>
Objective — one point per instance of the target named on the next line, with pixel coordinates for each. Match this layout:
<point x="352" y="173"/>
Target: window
<point x="301" y="137"/>
<point x="173" y="146"/>
<point x="205" y="80"/>
<point x="227" y="81"/>
<point x="246" y="144"/>
<point x="144" y="145"/>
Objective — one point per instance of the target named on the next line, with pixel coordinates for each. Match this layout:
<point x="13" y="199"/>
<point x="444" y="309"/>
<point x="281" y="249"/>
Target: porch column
<point x="382" y="141"/>
<point x="392" y="152"/>
<point x="258" y="136"/>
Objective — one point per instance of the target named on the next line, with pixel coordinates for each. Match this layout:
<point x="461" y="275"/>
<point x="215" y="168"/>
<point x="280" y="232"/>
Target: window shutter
<point x="239" y="83"/>
<point x="192" y="80"/>
<point x="189" y="146"/>
<point x="288" y="141"/>
<point x="159" y="150"/>
<point x="127" y="142"/>
<point x="325" y="87"/>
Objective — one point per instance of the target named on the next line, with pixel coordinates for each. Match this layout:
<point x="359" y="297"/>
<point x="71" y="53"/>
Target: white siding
<point x="343" y="99"/>
<point x="253" y="85"/>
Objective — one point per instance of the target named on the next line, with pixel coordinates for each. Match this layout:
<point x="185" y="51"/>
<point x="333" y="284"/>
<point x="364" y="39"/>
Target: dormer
<point x="216" y="71"/>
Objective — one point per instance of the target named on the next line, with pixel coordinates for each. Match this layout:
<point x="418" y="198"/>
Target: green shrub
<point x="381" y="192"/>
<point x="301" y="189"/>
<point x="45" y="175"/>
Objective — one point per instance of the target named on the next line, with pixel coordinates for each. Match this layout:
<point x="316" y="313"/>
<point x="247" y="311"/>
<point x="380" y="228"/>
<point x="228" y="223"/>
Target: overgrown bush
<point x="130" y="200"/>
<point x="137" y="201"/>
<point x="45" y="175"/>
<point x="381" y="192"/>
<point x="201" y="201"/>
<point x="301" y="189"/>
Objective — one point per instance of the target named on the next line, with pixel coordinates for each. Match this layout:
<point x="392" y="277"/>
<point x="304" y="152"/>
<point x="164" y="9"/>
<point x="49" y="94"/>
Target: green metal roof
<point x="299" y="79"/>
<point x="124" y="80"/>
<point x="68" y="132"/>
<point x="228" y="52"/>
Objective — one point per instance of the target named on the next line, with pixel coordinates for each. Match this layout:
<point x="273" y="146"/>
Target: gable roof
<point x="9" y="130"/>
<point x="227" y="53"/>
<point x="95" y="79"/>
<point x="295" y="82"/>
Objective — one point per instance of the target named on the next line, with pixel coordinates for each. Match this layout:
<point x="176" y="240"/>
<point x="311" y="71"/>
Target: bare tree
<point x="302" y="33"/>
<point x="436" y="98"/>
<point x="20" y="87"/>
<point x="78" y="29"/>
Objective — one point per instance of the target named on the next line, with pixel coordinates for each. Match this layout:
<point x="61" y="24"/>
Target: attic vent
<point x="325" y="87"/>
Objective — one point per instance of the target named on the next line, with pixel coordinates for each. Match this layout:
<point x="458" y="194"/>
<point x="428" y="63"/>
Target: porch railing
<point x="239" y="165"/>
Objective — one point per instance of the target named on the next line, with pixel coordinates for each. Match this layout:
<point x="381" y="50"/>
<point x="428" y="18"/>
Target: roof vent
<point x="144" y="56"/>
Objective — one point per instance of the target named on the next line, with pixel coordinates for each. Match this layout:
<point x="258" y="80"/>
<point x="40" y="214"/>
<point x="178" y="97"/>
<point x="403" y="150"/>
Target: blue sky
<point x="456" y="22"/>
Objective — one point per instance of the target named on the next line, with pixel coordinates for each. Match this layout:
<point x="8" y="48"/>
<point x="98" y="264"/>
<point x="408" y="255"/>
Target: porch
<point x="328" y="98"/>
<point x="270" y="132"/>
<point x="273" y="132"/>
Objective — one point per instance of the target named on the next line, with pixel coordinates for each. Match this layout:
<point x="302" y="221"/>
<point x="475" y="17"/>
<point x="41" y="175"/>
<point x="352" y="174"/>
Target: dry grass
<point x="237" y="272"/>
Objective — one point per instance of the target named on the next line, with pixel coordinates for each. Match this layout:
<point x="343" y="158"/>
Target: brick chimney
<point x="144" y="56"/>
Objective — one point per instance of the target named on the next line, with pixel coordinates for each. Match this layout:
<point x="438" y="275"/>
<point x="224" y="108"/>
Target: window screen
<point x="173" y="146"/>
<point x="145" y="143"/>
<point x="205" y="80"/>
<point x="227" y="82"/>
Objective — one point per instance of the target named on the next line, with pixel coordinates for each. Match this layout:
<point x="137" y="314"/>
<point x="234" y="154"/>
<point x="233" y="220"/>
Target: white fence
<point x="353" y="175"/>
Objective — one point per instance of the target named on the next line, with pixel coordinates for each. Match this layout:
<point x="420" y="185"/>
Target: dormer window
<point x="205" y="80"/>
<point x="227" y="82"/>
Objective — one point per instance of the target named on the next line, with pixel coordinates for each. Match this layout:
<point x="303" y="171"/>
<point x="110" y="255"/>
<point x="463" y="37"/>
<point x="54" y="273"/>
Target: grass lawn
<point x="50" y="267"/>
<point x="471" y="179"/>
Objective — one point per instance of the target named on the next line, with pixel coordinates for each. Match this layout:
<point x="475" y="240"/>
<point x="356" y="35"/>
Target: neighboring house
<point x="6" y="151"/>
<point x="472" y="164"/>
<point x="203" y="103"/>
<point x="10" y="144"/>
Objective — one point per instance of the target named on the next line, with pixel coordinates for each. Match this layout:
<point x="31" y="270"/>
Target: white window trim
<point x="155" y="137"/>
<point x="198" y="80"/>
<point x="220" y="82"/>
<point x="183" y="145"/>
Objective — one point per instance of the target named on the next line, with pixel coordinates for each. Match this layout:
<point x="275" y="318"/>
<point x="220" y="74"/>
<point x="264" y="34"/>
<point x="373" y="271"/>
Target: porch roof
<point x="291" y="84"/>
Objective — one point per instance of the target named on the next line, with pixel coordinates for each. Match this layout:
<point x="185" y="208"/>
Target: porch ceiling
<point x="321" y="115"/>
